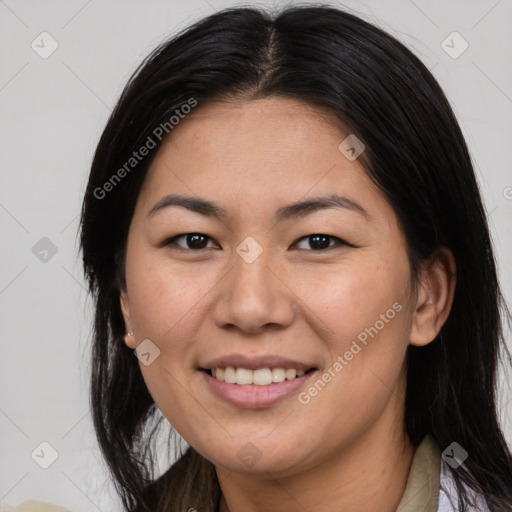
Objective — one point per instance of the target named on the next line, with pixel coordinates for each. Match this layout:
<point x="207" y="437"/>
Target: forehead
<point x="262" y="126"/>
<point x="274" y="150"/>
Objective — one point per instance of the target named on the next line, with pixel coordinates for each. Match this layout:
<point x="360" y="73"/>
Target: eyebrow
<point x="291" y="211"/>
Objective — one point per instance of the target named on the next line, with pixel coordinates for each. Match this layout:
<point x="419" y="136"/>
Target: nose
<point x="255" y="296"/>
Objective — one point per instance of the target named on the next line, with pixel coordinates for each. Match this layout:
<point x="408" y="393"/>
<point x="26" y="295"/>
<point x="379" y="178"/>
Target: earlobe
<point x="129" y="338"/>
<point x="434" y="298"/>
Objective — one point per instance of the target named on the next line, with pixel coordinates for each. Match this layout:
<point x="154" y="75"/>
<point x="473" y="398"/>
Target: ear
<point x="129" y="340"/>
<point x="434" y="297"/>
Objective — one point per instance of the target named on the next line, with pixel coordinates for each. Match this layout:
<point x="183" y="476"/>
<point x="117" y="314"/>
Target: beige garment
<point x="422" y="489"/>
<point x="34" y="506"/>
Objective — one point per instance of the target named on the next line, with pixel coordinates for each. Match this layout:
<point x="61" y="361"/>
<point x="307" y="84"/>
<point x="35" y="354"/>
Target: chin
<point x="257" y="458"/>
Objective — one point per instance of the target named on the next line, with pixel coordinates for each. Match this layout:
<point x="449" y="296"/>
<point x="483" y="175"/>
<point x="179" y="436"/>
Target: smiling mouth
<point x="258" y="377"/>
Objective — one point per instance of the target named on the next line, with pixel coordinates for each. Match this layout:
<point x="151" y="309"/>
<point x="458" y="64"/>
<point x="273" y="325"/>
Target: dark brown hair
<point x="416" y="154"/>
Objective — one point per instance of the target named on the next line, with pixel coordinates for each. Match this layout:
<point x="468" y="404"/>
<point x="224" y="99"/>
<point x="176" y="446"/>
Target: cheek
<point x="165" y="299"/>
<point x="351" y="297"/>
<point x="364" y="304"/>
<point x="167" y="310"/>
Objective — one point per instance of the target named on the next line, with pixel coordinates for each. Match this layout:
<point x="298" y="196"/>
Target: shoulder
<point x="33" y="506"/>
<point x="448" y="495"/>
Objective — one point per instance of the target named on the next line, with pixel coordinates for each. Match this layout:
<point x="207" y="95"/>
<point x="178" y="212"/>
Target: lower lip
<point x="252" y="395"/>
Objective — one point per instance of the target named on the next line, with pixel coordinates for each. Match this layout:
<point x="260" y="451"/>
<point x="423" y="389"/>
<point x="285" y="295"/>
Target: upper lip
<point x="253" y="363"/>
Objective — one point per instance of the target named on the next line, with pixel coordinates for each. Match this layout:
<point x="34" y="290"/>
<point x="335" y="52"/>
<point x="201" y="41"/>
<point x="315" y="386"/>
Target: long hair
<point x="415" y="153"/>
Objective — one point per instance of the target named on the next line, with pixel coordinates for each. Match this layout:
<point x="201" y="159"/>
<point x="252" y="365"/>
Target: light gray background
<point x="52" y="113"/>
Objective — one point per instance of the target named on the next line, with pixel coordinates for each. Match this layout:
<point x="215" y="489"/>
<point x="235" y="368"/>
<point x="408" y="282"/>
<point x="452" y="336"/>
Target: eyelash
<point x="340" y="242"/>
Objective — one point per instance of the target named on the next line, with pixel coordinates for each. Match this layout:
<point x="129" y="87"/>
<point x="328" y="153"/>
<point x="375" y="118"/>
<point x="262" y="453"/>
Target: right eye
<point x="195" y="241"/>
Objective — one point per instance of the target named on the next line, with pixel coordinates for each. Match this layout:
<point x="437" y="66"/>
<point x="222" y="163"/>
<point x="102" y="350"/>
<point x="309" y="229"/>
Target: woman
<point x="283" y="224"/>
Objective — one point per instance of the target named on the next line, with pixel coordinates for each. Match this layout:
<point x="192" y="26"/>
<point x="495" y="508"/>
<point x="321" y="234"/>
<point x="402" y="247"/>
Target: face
<point x="260" y="285"/>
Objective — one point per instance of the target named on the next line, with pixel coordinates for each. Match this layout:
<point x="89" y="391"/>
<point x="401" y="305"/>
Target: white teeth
<point x="260" y="377"/>
<point x="243" y="376"/>
<point x="291" y="374"/>
<point x="278" y="375"/>
<point x="230" y="375"/>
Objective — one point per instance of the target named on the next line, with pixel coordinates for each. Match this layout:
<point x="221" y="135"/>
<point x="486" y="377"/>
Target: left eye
<point x="320" y="242"/>
<point x="198" y="241"/>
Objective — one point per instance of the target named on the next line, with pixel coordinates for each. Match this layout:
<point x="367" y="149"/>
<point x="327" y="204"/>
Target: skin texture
<point x="347" y="448"/>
